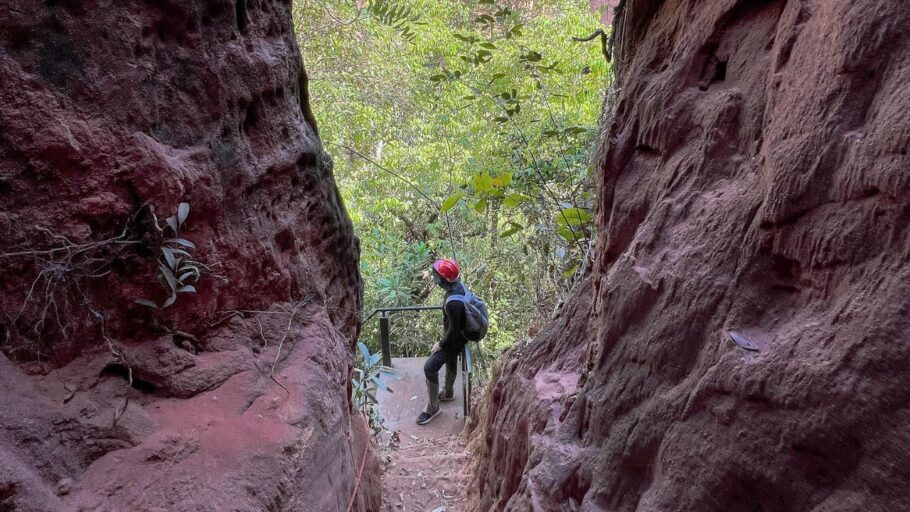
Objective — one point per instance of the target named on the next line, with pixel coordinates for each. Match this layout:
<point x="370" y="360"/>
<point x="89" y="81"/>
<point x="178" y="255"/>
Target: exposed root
<point x="261" y="372"/>
<point x="283" y="337"/>
<point x="61" y="269"/>
<point x="118" y="356"/>
<point x="363" y="462"/>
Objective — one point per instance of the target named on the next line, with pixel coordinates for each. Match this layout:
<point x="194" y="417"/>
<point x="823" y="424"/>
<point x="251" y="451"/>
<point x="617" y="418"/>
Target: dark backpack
<point x="477" y="318"/>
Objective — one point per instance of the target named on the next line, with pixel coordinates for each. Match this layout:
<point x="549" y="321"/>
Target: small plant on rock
<point x="177" y="270"/>
<point x="368" y="377"/>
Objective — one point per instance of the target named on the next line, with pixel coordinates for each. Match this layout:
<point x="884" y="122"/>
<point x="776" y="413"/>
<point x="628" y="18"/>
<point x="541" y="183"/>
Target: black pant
<point x="435" y="362"/>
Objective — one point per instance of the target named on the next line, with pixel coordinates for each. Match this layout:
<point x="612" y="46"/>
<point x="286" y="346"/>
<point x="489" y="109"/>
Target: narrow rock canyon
<point x="180" y="293"/>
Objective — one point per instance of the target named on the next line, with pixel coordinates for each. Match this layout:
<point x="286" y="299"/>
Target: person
<point x="446" y="274"/>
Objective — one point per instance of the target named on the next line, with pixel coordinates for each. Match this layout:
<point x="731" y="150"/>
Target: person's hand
<point x="436" y="348"/>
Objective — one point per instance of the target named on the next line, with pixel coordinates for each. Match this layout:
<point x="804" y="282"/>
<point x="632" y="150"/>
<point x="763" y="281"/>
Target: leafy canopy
<point x="465" y="128"/>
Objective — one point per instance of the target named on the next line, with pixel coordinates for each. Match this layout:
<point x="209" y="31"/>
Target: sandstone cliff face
<point x="755" y="181"/>
<point x="111" y="114"/>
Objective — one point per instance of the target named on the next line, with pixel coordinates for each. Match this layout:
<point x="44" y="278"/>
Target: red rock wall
<point x="754" y="179"/>
<point x="110" y="111"/>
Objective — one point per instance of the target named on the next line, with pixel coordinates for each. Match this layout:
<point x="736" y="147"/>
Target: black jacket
<point x="454" y="319"/>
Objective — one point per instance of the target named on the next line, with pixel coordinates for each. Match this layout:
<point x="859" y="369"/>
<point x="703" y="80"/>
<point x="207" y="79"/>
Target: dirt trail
<point x="423" y="474"/>
<point x="422" y="465"/>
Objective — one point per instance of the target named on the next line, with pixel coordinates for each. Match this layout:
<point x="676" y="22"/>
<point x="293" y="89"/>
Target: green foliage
<point x="488" y="108"/>
<point x="177" y="270"/>
<point x="396" y="15"/>
<point x="367" y="379"/>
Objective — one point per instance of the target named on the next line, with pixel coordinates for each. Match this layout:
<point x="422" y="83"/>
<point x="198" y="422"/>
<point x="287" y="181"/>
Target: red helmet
<point x="448" y="269"/>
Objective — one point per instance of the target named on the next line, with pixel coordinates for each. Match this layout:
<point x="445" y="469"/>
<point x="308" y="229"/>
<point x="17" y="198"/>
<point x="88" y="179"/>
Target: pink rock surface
<point x="110" y="111"/>
<point x="754" y="179"/>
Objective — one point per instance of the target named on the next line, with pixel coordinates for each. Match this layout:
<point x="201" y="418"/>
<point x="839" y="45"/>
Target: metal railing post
<point x="466" y="371"/>
<point x="384" y="339"/>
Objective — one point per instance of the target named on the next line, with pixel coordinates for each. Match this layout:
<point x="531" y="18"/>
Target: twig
<point x="603" y="42"/>
<point x="387" y="170"/>
<point x="69" y="246"/>
<point x="126" y="402"/>
<point x="117" y="355"/>
<point x="184" y="335"/>
<point x="283" y="337"/>
<point x="261" y="334"/>
<point x="174" y="459"/>
<point x="271" y="377"/>
<point x="363" y="463"/>
<point x="29" y="296"/>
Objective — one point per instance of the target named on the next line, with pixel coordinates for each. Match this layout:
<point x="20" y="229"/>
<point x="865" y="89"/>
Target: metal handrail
<point x="386" y="346"/>
<point x="398" y="309"/>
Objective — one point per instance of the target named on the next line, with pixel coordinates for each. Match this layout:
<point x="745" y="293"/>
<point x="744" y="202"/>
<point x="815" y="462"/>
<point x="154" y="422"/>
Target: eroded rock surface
<point x="111" y="114"/>
<point x="754" y="180"/>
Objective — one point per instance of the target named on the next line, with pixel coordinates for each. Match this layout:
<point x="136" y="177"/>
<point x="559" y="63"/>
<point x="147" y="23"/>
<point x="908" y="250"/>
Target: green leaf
<point x="489" y="46"/>
<point x="451" y="201"/>
<point x="514" y="200"/>
<point x="380" y="384"/>
<point x="571" y="272"/>
<point x="147" y="303"/>
<point x="168" y="276"/>
<point x="183" y="211"/>
<point x="573" y="217"/>
<point x="481" y="205"/>
<point x="482" y="183"/>
<point x="503" y="180"/>
<point x="566" y="234"/>
<point x="194" y="272"/>
<point x="181" y="241"/>
<point x="364" y="351"/>
<point x="387" y="370"/>
<point x="169" y="257"/>
<point x="511" y="230"/>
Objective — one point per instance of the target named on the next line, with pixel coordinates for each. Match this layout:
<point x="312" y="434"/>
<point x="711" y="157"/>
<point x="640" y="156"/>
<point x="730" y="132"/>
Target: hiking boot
<point x="426" y="417"/>
<point x="448" y="392"/>
<point x="432" y="409"/>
